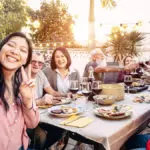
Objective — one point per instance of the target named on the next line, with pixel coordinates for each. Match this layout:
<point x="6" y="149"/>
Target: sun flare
<point x="105" y="19"/>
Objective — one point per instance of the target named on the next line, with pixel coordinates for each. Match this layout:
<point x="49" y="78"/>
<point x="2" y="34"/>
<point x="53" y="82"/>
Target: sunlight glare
<point x="104" y="18"/>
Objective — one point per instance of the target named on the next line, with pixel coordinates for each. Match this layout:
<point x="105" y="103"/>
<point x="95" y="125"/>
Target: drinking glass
<point x="128" y="81"/>
<point x="83" y="80"/>
<point x="74" y="86"/>
<point x="96" y="87"/>
<point x="86" y="91"/>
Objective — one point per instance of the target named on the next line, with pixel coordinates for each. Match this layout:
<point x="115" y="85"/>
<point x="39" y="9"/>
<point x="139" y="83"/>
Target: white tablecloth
<point x="110" y="133"/>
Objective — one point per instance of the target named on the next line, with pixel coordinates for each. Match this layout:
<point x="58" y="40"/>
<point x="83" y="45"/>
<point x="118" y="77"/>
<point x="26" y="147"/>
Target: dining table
<point x="112" y="134"/>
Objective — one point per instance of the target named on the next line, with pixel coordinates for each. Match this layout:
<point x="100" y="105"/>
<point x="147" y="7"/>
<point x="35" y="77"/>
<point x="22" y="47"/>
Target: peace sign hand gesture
<point x="26" y="87"/>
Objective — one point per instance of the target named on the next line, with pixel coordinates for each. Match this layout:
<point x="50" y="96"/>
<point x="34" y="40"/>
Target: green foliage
<point x="12" y="16"/>
<point x="55" y="23"/>
<point x="135" y="39"/>
<point x="122" y="44"/>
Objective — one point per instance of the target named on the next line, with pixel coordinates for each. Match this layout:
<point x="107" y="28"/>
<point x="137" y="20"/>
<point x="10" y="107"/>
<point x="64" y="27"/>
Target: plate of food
<point x="63" y="101"/>
<point x="45" y="106"/>
<point x="64" y="111"/>
<point x="138" y="83"/>
<point x="142" y="99"/>
<point x="56" y="101"/>
<point x="115" y="112"/>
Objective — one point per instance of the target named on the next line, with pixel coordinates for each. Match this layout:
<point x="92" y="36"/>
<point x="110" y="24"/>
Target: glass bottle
<point x="91" y="74"/>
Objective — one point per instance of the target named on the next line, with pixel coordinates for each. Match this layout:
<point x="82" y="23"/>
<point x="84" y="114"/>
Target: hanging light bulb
<point x="54" y="44"/>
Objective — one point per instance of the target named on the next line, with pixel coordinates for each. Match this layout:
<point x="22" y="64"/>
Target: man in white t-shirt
<point x="43" y="91"/>
<point x="44" y="95"/>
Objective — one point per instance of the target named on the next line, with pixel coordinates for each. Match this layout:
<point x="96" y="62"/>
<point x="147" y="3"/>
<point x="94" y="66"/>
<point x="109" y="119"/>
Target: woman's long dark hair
<point x="17" y="78"/>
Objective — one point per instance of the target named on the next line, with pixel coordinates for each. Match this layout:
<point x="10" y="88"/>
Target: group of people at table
<point x="24" y="85"/>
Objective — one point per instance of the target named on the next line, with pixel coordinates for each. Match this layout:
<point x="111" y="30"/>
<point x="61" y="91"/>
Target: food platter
<point x="64" y="111"/>
<point x="114" y="114"/>
<point x="136" y="89"/>
<point x="143" y="98"/>
<point x="62" y="102"/>
<point x="45" y="106"/>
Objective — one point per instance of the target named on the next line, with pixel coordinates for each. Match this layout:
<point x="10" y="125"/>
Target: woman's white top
<point x="63" y="84"/>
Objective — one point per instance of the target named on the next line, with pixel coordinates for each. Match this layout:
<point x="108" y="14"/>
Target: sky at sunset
<point x="127" y="11"/>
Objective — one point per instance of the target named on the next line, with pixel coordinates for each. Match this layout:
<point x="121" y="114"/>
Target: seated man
<point x="42" y="85"/>
<point x="113" y="73"/>
<point x="97" y="59"/>
<point x="105" y="71"/>
<point x="41" y="81"/>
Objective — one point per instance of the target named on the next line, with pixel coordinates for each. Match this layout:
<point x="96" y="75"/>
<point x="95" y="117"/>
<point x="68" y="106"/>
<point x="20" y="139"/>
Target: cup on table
<point x="86" y="90"/>
<point x="74" y="87"/>
<point x="128" y="81"/>
<point x="96" y="87"/>
<point x="83" y="80"/>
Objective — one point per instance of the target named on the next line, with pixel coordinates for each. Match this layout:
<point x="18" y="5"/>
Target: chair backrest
<point x="111" y="77"/>
<point x="112" y="64"/>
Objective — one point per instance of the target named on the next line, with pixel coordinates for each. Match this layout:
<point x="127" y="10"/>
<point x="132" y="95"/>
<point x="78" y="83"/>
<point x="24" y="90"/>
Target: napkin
<point x="77" y="121"/>
<point x="70" y="119"/>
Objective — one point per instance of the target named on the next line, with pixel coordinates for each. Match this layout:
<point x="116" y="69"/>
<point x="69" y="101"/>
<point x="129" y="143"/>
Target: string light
<point x="115" y="35"/>
<point x="69" y="43"/>
<point x="40" y="45"/>
<point x="36" y="24"/>
<point x="54" y="44"/>
<point x="122" y="34"/>
<point x="123" y="25"/>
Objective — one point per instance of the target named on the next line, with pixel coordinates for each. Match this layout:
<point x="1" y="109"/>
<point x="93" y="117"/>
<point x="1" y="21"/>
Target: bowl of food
<point x="116" y="90"/>
<point x="104" y="99"/>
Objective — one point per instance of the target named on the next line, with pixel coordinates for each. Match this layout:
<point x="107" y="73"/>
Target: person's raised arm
<point x="31" y="114"/>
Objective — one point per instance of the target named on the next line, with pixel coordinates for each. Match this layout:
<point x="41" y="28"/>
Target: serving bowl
<point x="104" y="99"/>
<point x="116" y="90"/>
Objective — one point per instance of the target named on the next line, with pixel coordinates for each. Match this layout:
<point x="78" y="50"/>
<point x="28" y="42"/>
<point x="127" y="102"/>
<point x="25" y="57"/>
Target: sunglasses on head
<point x="40" y="63"/>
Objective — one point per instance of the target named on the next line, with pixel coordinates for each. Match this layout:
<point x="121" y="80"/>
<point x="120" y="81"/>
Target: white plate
<point x="105" y="115"/>
<point x="63" y="115"/>
<point x="142" y="98"/>
<point x="64" y="101"/>
<point x="45" y="106"/>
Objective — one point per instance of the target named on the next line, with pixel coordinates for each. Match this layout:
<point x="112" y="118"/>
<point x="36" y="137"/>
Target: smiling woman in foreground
<point x="17" y="110"/>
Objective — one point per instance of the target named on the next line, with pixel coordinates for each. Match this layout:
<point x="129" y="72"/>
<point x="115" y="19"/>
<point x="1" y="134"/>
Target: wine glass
<point x="86" y="91"/>
<point x="96" y="87"/>
<point x="128" y="81"/>
<point x="74" y="87"/>
<point x="83" y="80"/>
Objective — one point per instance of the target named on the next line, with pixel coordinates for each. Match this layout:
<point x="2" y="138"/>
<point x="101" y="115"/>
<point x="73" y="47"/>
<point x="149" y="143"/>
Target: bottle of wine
<point x="91" y="79"/>
<point x="91" y="74"/>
